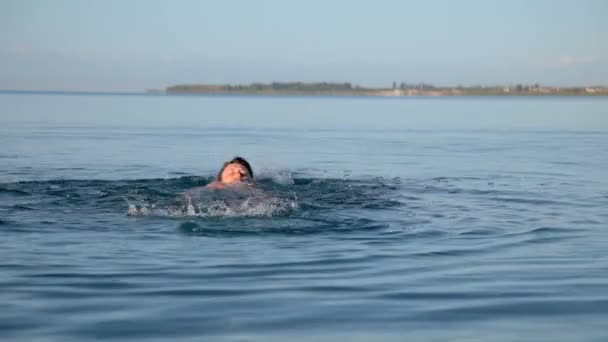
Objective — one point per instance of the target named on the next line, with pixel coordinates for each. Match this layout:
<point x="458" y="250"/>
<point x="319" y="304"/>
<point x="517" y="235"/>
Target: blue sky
<point x="135" y="45"/>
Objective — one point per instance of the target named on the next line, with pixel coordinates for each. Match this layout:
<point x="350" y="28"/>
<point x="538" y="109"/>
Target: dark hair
<point x="237" y="160"/>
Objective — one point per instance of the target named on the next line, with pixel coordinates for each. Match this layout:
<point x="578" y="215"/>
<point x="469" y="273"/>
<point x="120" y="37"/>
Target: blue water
<point x="372" y="219"/>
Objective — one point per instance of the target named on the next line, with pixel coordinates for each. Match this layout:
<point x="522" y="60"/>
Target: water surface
<point x="373" y="219"/>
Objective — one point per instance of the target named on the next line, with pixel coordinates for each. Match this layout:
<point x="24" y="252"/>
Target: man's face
<point x="234" y="173"/>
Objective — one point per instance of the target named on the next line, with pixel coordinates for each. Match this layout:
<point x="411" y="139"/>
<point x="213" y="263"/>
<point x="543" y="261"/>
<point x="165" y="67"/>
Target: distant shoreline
<point x="401" y="90"/>
<point x="388" y="93"/>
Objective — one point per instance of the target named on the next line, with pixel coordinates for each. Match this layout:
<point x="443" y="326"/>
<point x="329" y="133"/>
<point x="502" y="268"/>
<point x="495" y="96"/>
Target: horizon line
<point x="148" y="91"/>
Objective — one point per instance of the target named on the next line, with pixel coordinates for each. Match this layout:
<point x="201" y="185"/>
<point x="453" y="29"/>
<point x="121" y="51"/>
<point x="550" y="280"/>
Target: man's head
<point x="235" y="171"/>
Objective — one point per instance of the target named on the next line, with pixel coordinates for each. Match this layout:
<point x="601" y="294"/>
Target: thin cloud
<point x="571" y="60"/>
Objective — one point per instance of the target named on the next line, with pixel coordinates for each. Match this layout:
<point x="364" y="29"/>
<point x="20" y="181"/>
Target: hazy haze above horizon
<point x="136" y="45"/>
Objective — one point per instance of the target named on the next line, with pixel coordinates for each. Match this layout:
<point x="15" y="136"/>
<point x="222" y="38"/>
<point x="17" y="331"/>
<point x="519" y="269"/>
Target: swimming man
<point x="233" y="172"/>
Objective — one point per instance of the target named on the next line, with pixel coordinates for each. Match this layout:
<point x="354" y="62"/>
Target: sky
<point x="116" y="45"/>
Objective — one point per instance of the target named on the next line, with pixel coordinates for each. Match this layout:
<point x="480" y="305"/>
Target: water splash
<point x="236" y="202"/>
<point x="280" y="176"/>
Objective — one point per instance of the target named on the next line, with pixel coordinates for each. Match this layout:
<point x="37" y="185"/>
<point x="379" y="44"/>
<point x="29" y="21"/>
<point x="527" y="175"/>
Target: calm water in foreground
<point x="373" y="219"/>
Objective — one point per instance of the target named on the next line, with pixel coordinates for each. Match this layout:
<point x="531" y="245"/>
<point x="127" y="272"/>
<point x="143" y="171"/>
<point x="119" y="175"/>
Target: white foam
<point x="200" y="204"/>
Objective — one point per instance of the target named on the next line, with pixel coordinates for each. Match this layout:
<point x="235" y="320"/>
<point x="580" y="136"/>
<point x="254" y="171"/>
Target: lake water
<point x="373" y="219"/>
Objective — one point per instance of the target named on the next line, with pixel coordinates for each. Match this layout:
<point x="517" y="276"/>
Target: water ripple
<point x="149" y="256"/>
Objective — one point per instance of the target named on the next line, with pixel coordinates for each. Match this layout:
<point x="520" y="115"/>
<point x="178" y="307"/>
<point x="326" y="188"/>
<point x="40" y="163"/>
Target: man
<point x="236" y="171"/>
